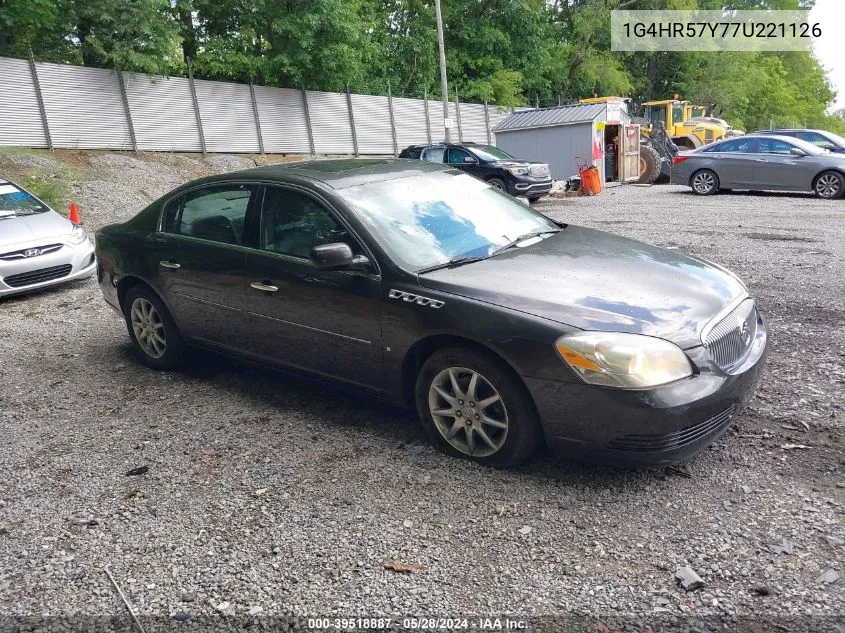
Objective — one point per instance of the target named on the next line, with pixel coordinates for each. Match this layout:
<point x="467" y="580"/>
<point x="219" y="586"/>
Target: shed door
<point x="631" y="154"/>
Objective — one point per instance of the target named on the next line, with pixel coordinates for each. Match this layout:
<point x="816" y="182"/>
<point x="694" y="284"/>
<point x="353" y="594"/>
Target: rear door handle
<point x="265" y="287"/>
<point x="167" y="264"/>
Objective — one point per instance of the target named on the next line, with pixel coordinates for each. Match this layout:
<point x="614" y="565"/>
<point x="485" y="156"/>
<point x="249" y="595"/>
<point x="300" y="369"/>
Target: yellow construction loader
<point x="689" y="126"/>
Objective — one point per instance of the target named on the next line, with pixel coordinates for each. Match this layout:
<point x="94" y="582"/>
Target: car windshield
<point x="836" y="139"/>
<point x="15" y="201"/>
<point x="488" y="152"/>
<point x="435" y="217"/>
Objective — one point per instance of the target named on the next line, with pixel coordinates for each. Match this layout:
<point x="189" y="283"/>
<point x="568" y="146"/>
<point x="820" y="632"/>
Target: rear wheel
<point x="649" y="165"/>
<point x="704" y="182"/>
<point x="472" y="406"/>
<point x="829" y="185"/>
<point x="153" y="332"/>
<point x="497" y="183"/>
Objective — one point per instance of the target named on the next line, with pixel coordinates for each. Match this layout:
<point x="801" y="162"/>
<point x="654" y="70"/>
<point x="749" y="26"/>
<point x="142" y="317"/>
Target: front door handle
<point x="262" y="286"/>
<point x="167" y="264"/>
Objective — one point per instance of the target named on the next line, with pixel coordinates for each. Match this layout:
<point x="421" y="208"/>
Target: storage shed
<point x="600" y="133"/>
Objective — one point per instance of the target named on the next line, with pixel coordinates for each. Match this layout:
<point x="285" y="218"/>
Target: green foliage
<point x="508" y="52"/>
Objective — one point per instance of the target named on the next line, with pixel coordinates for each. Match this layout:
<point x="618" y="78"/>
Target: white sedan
<point x="38" y="247"/>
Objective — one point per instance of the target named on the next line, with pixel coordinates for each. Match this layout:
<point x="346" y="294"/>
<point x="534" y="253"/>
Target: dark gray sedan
<point x="761" y="162"/>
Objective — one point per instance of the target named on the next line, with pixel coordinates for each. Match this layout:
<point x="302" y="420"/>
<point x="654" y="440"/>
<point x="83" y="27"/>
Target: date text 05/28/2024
<point x="417" y="624"/>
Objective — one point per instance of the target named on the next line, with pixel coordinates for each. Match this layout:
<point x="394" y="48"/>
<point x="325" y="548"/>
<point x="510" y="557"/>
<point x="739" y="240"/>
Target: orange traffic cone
<point x="74" y="213"/>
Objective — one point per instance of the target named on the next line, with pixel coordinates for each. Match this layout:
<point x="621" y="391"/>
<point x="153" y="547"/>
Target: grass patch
<point x="50" y="179"/>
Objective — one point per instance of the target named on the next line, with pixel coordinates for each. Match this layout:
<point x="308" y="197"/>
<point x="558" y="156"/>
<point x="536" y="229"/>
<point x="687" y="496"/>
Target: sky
<point x="830" y="47"/>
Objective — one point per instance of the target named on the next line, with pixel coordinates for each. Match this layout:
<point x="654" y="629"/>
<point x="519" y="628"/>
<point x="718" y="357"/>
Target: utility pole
<point x="444" y="89"/>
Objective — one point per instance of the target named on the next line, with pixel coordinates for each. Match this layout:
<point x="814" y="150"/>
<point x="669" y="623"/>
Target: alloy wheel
<point x="148" y="328"/>
<point x="827" y="186"/>
<point x="497" y="185"/>
<point x="468" y="411"/>
<point x="703" y="182"/>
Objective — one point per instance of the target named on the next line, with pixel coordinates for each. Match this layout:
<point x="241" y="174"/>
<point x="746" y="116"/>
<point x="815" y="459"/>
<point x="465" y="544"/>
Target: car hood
<point x="593" y="280"/>
<point x="26" y="228"/>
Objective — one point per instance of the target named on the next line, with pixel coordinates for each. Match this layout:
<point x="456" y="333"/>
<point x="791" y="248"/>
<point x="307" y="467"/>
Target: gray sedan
<point x="38" y="247"/>
<point x="761" y="163"/>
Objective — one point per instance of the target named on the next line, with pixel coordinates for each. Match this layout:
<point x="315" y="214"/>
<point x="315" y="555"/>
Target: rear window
<point x="16" y="201"/>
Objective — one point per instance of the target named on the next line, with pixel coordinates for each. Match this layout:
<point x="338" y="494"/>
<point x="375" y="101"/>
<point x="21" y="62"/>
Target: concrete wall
<point x="557" y="146"/>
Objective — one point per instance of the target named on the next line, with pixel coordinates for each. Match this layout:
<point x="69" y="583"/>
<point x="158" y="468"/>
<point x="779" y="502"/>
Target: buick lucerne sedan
<point x="420" y="284"/>
<point x="38" y="247"/>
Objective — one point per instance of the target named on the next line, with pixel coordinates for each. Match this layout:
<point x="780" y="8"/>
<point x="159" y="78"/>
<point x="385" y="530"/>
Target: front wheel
<point x="473" y="406"/>
<point x="153" y="332"/>
<point x="498" y="183"/>
<point x="829" y="185"/>
<point x="705" y="182"/>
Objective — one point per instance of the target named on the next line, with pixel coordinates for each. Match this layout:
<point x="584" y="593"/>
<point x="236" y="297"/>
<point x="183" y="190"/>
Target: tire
<point x="534" y="199"/>
<point x="704" y="182"/>
<point x="164" y="352"/>
<point x="829" y="185"/>
<point x="498" y="183"/>
<point x="649" y="165"/>
<point x="505" y="446"/>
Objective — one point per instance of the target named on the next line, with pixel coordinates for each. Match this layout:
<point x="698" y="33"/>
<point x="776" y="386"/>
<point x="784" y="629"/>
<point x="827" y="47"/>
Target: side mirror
<point x="337" y="256"/>
<point x="470" y="160"/>
<point x="795" y="151"/>
<point x="829" y="146"/>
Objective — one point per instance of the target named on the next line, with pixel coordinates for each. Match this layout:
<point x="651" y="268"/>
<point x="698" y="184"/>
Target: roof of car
<point x="337" y="173"/>
<point x="789" y="129"/>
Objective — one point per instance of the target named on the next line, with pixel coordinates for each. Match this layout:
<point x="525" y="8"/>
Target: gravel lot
<point x="268" y="491"/>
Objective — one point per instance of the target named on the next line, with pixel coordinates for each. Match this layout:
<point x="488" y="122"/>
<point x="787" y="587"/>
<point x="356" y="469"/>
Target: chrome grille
<point x="730" y="340"/>
<point x="30" y="252"/>
<point x="539" y="171"/>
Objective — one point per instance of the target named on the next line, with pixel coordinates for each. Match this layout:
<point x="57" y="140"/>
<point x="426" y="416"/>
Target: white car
<point x="38" y="247"/>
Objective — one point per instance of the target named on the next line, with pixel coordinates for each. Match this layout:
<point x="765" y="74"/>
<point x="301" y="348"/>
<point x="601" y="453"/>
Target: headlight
<point x="518" y="171"/>
<point x="614" y="359"/>
<point x="77" y="236"/>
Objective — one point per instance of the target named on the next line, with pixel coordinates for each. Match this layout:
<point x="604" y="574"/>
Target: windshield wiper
<point x="522" y="238"/>
<point x="455" y="261"/>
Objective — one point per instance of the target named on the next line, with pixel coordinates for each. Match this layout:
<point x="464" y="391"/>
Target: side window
<point x="413" y="152"/>
<point x="457" y="156"/>
<point x="216" y="213"/>
<point x="774" y="146"/>
<point x="727" y="146"/>
<point x="813" y="137"/>
<point x="735" y="146"/>
<point x="170" y="217"/>
<point x="433" y="154"/>
<point x="292" y="223"/>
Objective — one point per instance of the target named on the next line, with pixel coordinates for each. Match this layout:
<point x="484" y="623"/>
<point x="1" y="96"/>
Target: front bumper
<point x="530" y="188"/>
<point x="68" y="263"/>
<point x="665" y="425"/>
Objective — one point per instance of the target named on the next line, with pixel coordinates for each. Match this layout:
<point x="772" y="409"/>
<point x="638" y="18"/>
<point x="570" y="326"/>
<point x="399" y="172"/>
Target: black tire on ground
<point x="523" y="434"/>
<point x="498" y="183"/>
<point x="649" y="164"/>
<point x="829" y="185"/>
<point x="662" y="179"/>
<point x="534" y="199"/>
<point x="704" y="182"/>
<point x="142" y="298"/>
